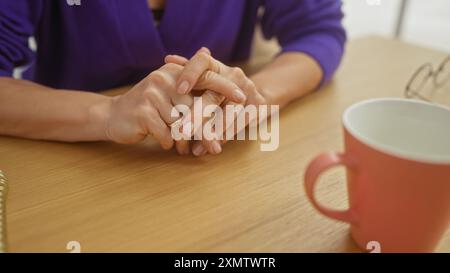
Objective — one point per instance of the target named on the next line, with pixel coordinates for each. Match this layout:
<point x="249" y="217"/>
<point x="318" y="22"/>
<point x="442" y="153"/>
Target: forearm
<point x="34" y="111"/>
<point x="288" y="77"/>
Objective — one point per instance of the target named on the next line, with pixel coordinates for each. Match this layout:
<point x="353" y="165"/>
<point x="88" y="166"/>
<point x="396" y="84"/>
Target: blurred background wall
<point x="426" y="22"/>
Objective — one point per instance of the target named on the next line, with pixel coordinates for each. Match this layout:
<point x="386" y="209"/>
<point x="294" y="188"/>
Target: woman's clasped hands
<point x="163" y="105"/>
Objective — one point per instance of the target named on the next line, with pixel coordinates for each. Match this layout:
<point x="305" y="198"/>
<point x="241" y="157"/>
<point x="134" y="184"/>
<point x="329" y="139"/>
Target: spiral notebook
<point x="3" y="189"/>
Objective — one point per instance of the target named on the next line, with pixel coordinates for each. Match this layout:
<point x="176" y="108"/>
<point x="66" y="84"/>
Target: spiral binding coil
<point x="3" y="191"/>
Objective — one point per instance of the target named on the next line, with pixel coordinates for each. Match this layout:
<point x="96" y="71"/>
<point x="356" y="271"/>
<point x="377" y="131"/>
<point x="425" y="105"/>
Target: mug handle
<point x="320" y="164"/>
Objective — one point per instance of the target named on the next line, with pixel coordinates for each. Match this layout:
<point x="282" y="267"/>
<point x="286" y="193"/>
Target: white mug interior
<point x="408" y="129"/>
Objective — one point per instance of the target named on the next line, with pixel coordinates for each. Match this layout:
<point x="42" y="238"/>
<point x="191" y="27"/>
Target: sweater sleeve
<point x="18" y="19"/>
<point x="313" y="27"/>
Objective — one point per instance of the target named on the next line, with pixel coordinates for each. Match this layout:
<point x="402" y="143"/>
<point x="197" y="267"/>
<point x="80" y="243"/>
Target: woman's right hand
<point x="146" y="109"/>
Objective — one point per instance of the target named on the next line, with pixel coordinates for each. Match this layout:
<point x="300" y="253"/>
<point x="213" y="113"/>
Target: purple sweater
<point x="101" y="44"/>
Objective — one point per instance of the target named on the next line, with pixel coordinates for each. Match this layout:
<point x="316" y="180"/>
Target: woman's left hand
<point x="194" y="68"/>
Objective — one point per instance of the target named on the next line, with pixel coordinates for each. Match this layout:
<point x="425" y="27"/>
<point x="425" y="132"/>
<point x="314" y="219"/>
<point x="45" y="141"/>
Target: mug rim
<point x="387" y="149"/>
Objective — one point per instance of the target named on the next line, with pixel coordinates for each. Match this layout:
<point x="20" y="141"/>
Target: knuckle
<point x="208" y="61"/>
<point x="154" y="96"/>
<point x="171" y="67"/>
<point x="191" y="76"/>
<point x="207" y="76"/>
<point x="205" y="49"/>
<point x="237" y="72"/>
<point x="150" y="92"/>
<point x="212" y="98"/>
<point x="204" y="56"/>
<point x="159" y="78"/>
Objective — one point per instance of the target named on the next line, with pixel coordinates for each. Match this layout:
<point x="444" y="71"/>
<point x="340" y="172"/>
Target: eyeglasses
<point x="426" y="73"/>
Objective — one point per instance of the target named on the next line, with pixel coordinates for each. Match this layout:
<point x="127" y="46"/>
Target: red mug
<point x="397" y="159"/>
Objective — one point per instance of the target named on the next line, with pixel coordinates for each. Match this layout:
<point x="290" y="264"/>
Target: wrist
<point x="99" y="116"/>
<point x="271" y="96"/>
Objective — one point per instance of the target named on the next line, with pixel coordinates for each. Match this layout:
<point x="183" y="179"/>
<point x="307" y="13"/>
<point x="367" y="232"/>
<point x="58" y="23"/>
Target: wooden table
<point x="139" y="198"/>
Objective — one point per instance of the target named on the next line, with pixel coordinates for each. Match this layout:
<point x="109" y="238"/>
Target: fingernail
<point x="198" y="150"/>
<point x="239" y="96"/>
<point x="183" y="87"/>
<point x="216" y="147"/>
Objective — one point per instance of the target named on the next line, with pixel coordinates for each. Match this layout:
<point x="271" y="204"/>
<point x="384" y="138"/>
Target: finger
<point x="253" y="98"/>
<point x="208" y="101"/>
<point x="198" y="149"/>
<point x="159" y="130"/>
<point x="180" y="60"/>
<point x="178" y="99"/>
<point x="238" y="114"/>
<point x="194" y="68"/>
<point x="219" y="84"/>
<point x="212" y="146"/>
<point x="168" y="84"/>
<point x="237" y="75"/>
<point x="211" y="138"/>
<point x="205" y="50"/>
<point x="176" y="59"/>
<point x="216" y="82"/>
<point x="163" y="104"/>
<point x="182" y="147"/>
<point x="160" y="98"/>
